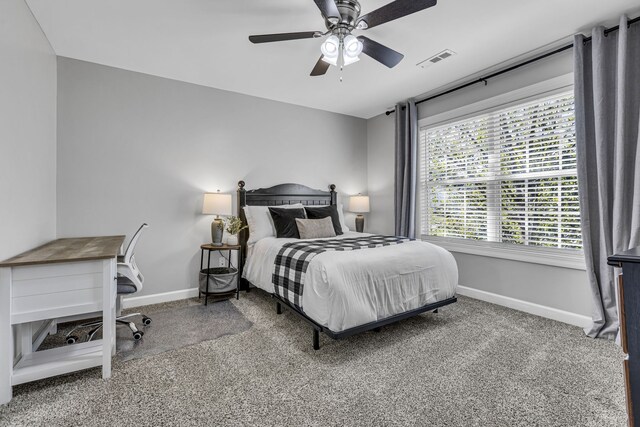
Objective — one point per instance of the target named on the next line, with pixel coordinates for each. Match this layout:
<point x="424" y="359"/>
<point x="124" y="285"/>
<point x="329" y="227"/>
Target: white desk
<point x="65" y="277"/>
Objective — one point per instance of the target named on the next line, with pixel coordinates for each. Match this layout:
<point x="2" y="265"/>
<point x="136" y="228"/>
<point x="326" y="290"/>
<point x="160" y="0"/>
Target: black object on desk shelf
<point x="219" y="281"/>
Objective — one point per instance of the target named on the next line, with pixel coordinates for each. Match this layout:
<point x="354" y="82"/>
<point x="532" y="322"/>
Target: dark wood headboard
<point x="283" y="194"/>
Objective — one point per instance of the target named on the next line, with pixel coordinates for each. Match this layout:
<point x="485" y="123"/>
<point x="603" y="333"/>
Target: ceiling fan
<point x="341" y="17"/>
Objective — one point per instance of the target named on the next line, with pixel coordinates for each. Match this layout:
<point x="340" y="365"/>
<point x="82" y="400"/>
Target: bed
<point x="346" y="291"/>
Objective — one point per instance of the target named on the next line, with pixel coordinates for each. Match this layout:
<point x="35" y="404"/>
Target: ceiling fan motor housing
<point x="349" y="13"/>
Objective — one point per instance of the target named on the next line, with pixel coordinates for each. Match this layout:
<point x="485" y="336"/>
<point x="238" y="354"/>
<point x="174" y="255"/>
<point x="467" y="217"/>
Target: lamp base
<point x="217" y="227"/>
<point x="359" y="223"/>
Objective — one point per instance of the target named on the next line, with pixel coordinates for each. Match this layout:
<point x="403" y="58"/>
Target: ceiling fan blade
<point x="393" y="10"/>
<point x="267" y="38"/>
<point x="329" y="10"/>
<point x="321" y="68"/>
<point x="380" y="53"/>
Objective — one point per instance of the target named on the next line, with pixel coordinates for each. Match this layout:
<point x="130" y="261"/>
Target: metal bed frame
<point x="284" y="194"/>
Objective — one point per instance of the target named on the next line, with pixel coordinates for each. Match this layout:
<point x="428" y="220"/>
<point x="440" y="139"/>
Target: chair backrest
<point x="128" y="267"/>
<point x="128" y="254"/>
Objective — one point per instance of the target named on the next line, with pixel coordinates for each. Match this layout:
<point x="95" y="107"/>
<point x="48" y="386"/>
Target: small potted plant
<point x="234" y="226"/>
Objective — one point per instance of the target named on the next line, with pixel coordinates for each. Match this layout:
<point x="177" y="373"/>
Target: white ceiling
<point x="205" y="42"/>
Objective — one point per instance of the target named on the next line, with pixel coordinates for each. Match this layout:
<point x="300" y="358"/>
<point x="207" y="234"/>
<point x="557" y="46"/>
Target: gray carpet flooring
<point x="473" y="364"/>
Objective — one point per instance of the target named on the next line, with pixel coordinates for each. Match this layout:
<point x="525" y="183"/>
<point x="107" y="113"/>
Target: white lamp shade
<point x="359" y="204"/>
<point x="216" y="204"/>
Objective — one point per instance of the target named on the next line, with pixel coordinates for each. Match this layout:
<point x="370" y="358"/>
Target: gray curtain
<point x="607" y="94"/>
<point x="406" y="169"/>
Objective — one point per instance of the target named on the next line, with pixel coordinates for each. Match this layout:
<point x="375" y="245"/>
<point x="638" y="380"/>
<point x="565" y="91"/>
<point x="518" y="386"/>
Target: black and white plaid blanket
<point x="291" y="264"/>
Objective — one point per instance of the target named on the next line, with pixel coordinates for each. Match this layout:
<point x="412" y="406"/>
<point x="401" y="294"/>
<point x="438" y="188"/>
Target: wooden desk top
<point x="69" y="250"/>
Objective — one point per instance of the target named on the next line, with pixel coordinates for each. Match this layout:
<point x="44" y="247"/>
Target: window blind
<point x="504" y="176"/>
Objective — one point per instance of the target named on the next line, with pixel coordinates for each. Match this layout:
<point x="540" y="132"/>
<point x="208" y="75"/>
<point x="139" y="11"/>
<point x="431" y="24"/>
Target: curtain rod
<point x="514" y="67"/>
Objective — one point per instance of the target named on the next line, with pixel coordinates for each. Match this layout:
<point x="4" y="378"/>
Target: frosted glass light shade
<point x="347" y="60"/>
<point x="216" y="204"/>
<point x="332" y="61"/>
<point x="352" y="46"/>
<point x="331" y="47"/>
<point x="359" y="204"/>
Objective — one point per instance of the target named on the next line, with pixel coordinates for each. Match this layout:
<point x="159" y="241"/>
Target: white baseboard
<point x="516" y="304"/>
<point x="527" y="307"/>
<point x="159" y="298"/>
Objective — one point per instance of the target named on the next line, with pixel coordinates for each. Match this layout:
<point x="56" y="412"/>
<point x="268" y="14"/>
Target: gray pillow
<point x="315" y="228"/>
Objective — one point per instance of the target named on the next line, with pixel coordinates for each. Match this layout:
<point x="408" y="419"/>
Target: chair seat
<point x="125" y="286"/>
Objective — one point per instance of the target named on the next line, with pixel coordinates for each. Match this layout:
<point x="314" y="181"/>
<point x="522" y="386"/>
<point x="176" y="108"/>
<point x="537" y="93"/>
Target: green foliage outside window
<point x="507" y="176"/>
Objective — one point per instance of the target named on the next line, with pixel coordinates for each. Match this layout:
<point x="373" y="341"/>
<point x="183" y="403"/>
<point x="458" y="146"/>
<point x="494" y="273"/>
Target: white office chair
<point x="130" y="281"/>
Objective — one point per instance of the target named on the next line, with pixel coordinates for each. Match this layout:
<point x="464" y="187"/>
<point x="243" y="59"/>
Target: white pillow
<point x="260" y="222"/>
<point x="343" y="224"/>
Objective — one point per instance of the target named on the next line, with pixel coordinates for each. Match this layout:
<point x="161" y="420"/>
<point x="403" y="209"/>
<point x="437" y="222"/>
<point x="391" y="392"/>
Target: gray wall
<point x="561" y="288"/>
<point x="27" y="132"/>
<point x="134" y="148"/>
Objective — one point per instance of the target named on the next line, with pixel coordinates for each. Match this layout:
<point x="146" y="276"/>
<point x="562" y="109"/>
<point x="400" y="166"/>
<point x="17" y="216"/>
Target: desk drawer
<point x="56" y="285"/>
<point x="40" y="307"/>
<point x="41" y="292"/>
<point x="47" y="271"/>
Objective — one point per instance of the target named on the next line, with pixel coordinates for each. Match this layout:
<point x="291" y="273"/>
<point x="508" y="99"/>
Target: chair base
<point x="97" y="325"/>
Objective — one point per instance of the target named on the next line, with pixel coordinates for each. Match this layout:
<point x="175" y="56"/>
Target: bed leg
<point x="378" y="329"/>
<point x="435" y="311"/>
<point x="278" y="308"/>
<point x="316" y="339"/>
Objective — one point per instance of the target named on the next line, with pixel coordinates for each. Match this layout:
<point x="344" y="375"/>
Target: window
<point x="505" y="176"/>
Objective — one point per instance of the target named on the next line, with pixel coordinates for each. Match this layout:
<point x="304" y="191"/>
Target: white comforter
<point x="352" y="288"/>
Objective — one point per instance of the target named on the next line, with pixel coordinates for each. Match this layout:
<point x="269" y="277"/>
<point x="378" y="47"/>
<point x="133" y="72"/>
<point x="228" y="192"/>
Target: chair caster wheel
<point x="146" y="320"/>
<point x="72" y="339"/>
<point x="138" y="335"/>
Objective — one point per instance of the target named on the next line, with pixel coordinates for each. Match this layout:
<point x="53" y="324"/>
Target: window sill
<point x="565" y="258"/>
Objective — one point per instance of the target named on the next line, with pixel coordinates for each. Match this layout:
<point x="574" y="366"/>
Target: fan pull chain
<point x="341" y="60"/>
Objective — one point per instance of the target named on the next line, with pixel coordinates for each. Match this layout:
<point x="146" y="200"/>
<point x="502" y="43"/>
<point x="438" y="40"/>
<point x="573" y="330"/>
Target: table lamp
<point x="359" y="204"/>
<point x="216" y="204"/>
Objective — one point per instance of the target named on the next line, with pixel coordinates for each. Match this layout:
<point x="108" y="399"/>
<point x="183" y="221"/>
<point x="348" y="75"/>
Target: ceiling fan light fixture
<point x="348" y="60"/>
<point x="330" y="60"/>
<point x="352" y="47"/>
<point x="331" y="47"/>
